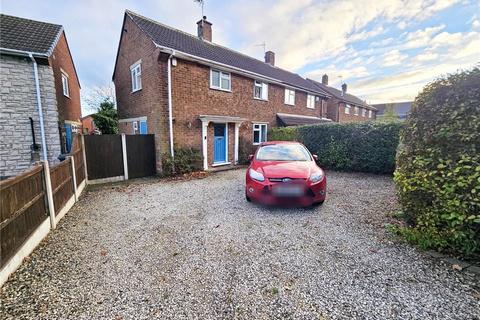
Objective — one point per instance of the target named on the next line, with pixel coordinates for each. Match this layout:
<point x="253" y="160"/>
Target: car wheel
<point x="247" y="198"/>
<point x="319" y="203"/>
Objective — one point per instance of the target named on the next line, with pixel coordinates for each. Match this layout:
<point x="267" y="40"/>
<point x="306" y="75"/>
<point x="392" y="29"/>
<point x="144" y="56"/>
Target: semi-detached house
<point x="191" y="92"/>
<point x="40" y="94"/>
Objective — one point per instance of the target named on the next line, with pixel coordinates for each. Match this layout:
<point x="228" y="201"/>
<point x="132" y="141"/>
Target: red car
<point x="285" y="173"/>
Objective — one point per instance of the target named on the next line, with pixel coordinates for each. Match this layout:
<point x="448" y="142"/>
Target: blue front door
<point x="219" y="143"/>
<point x="68" y="137"/>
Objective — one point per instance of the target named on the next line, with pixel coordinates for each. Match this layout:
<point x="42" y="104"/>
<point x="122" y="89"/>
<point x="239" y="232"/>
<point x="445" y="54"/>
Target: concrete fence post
<point x="84" y="154"/>
<point x="48" y="186"/>
<point x="124" y="154"/>
<point x="74" y="177"/>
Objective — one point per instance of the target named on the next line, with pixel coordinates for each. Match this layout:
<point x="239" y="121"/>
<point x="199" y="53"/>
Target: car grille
<point x="282" y="179"/>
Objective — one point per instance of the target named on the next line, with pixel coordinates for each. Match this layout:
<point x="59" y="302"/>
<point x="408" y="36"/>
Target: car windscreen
<point x="283" y="152"/>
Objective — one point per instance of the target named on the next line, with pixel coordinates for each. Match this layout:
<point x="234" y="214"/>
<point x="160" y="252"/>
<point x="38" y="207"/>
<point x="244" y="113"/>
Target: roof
<point x="170" y="38"/>
<point x="347" y="97"/>
<point x="298" y="120"/>
<point x="402" y="108"/>
<point x="28" y="35"/>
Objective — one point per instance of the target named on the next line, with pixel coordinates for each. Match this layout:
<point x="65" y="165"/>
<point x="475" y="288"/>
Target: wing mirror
<point x="315" y="157"/>
<point x="250" y="157"/>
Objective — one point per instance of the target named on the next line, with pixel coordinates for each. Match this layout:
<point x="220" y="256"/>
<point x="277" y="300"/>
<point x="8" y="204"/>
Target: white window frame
<point x="347" y="108"/>
<point x="136" y="76"/>
<point x="65" y="85"/>
<point x="222" y="75"/>
<point x="356" y="111"/>
<point x="370" y="113"/>
<point x="257" y="127"/>
<point x="289" y="96"/>
<point x="364" y="112"/>
<point x="310" y="101"/>
<point x="135" y="127"/>
<point x="263" y="90"/>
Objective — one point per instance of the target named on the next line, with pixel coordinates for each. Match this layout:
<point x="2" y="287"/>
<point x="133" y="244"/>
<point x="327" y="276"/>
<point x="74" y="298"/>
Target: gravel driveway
<point x="198" y="250"/>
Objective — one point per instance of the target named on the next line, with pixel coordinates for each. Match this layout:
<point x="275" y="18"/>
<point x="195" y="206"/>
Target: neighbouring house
<point x="191" y="92"/>
<point x="399" y="109"/>
<point x="37" y="73"/>
<point x="88" y="125"/>
<point x="343" y="106"/>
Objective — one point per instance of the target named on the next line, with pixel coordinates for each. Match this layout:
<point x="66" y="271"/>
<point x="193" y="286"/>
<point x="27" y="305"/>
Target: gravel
<point x="197" y="250"/>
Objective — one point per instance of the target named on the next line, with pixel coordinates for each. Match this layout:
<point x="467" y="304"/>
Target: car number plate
<point x="288" y="191"/>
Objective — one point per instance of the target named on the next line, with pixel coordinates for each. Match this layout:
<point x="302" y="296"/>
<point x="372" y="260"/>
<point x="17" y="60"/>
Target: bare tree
<point x="92" y="98"/>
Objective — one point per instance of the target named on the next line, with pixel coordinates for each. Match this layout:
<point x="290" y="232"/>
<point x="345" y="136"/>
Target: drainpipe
<point x="39" y="105"/>
<point x="170" y="116"/>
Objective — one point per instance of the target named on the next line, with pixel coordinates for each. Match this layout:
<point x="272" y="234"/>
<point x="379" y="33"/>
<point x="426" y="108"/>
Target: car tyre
<point x="247" y="198"/>
<point x="319" y="203"/>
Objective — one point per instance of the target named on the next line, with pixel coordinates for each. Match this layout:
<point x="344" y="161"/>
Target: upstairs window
<point x="364" y="112"/>
<point x="369" y="113"/>
<point x="355" y="110"/>
<point x="310" y="101"/>
<point x="289" y="97"/>
<point x="259" y="133"/>
<point x="136" y="74"/>
<point x="260" y="90"/>
<point x="220" y="80"/>
<point x="347" y="109"/>
<point x="66" y="90"/>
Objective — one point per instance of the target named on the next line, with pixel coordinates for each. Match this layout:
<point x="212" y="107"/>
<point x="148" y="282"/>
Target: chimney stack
<point x="325" y="79"/>
<point x="270" y="58"/>
<point x="344" y="89"/>
<point x="204" y="29"/>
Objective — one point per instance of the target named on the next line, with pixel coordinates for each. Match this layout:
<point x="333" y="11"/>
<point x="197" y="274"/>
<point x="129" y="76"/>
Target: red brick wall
<point x="68" y="107"/>
<point x="336" y="112"/>
<point x="192" y="97"/>
<point x="151" y="100"/>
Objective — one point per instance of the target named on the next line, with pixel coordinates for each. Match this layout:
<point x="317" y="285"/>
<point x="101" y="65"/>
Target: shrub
<point x="283" y="134"/>
<point x="438" y="165"/>
<point x="186" y="160"/>
<point x="245" y="149"/>
<point x="361" y="146"/>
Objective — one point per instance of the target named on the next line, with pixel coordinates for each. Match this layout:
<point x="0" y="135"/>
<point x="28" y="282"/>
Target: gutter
<point x="170" y="107"/>
<point x="226" y="67"/>
<point x="39" y="105"/>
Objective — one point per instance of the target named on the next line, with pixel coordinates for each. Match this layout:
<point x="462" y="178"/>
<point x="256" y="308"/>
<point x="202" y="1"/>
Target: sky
<point x="385" y="51"/>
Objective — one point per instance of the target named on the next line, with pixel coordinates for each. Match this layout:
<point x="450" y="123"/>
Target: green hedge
<point x="438" y="165"/>
<point x="283" y="134"/>
<point x="361" y="146"/>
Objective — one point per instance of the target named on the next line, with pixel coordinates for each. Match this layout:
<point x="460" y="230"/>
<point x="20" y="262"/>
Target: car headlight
<point x="317" y="176"/>
<point x="255" y="175"/>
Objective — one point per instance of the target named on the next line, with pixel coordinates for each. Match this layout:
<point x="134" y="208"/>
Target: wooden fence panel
<point x="140" y="155"/>
<point x="77" y="155"/>
<point x="62" y="184"/>
<point x="104" y="156"/>
<point x="23" y="209"/>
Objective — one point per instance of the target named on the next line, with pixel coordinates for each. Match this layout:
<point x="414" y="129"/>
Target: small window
<point x="135" y="127"/>
<point x="369" y="113"/>
<point x="260" y="90"/>
<point x="136" y="73"/>
<point x="220" y="80"/>
<point x="310" y="101"/>
<point x="347" y="109"/>
<point x="364" y="112"/>
<point x="355" y="110"/>
<point x="66" y="90"/>
<point x="289" y="97"/>
<point x="259" y="133"/>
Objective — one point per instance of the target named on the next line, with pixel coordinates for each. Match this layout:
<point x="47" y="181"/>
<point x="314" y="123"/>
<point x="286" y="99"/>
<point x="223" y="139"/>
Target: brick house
<point x="343" y="106"/>
<point x="37" y="73"/>
<point x="191" y="92"/>
<point x="88" y="125"/>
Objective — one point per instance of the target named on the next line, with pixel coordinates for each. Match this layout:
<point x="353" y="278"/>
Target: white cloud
<point x="393" y="58"/>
